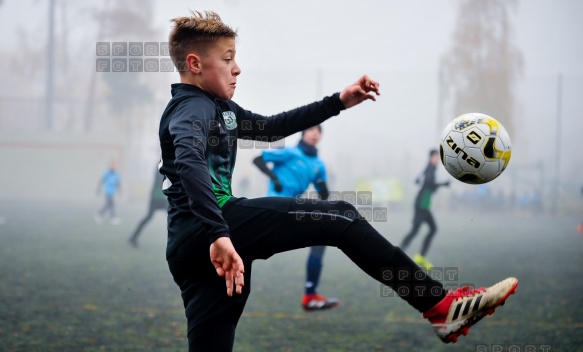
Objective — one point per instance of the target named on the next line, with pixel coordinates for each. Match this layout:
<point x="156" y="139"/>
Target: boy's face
<point x="218" y="69"/>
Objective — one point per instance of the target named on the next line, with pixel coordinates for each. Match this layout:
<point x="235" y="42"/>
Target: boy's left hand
<point x="359" y="91"/>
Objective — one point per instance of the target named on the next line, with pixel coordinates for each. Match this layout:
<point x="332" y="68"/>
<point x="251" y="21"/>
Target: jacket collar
<point x="176" y="87"/>
<point x="308" y="149"/>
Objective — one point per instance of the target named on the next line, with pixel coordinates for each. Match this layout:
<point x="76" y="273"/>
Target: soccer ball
<point x="475" y="148"/>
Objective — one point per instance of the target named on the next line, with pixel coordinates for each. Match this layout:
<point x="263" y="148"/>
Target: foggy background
<point x="518" y="61"/>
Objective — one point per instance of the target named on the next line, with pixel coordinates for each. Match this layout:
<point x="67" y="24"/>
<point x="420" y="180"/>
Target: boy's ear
<point x="193" y="62"/>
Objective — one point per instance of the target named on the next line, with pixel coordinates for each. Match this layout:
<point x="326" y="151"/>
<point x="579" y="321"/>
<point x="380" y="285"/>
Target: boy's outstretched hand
<point x="228" y="264"/>
<point x="359" y="91"/>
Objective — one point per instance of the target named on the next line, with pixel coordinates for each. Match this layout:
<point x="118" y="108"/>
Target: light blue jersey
<point x="295" y="170"/>
<point x="110" y="182"/>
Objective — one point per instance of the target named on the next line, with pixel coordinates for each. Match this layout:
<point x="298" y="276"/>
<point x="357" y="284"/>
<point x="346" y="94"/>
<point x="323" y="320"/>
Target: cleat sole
<point x="325" y="307"/>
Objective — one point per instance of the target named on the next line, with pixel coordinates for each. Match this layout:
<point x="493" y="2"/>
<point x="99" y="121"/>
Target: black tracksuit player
<point x="199" y="131"/>
<point x="423" y="210"/>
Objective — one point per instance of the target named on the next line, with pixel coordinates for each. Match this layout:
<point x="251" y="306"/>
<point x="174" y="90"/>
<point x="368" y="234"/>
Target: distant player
<point x="294" y="169"/>
<point x="422" y="210"/>
<point x="157" y="202"/>
<point x="110" y="184"/>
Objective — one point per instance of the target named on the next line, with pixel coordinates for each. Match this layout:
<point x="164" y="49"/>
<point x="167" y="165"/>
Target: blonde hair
<point x="195" y="33"/>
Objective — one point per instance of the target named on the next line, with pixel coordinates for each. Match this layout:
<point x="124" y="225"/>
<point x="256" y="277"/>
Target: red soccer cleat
<point x="318" y="302"/>
<point x="461" y="309"/>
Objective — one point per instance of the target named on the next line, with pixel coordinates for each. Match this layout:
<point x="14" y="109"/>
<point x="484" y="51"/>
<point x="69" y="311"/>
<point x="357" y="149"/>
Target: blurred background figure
<point x="244" y="185"/>
<point x="110" y="183"/>
<point x="158" y="201"/>
<point x="294" y="169"/>
<point x="422" y="210"/>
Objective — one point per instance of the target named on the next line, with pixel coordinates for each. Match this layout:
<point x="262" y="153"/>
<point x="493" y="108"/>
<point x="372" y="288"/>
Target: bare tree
<point x="483" y="65"/>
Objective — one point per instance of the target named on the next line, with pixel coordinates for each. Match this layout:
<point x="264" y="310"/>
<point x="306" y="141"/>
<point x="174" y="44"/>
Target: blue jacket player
<point x="294" y="169"/>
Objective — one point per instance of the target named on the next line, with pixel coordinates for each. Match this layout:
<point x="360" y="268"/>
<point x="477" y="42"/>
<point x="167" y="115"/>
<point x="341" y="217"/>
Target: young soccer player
<point x="157" y="202"/>
<point x="422" y="209"/>
<point x="213" y="236"/>
<point x="110" y="182"/>
<point x="294" y="169"/>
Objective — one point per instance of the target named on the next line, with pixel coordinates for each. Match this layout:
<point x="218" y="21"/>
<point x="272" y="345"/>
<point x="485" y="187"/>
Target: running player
<point x="422" y="210"/>
<point x="157" y="202"/>
<point x="110" y="183"/>
<point x="294" y="169"/>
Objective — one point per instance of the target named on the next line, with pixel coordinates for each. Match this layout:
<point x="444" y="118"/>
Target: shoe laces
<point x="465" y="291"/>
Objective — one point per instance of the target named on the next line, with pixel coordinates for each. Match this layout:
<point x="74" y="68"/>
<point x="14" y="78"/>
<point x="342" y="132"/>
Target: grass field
<point x="68" y="284"/>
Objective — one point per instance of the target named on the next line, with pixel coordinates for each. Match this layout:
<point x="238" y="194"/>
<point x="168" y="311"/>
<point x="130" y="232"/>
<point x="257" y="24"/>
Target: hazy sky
<point x="394" y="35"/>
<point x="390" y="35"/>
